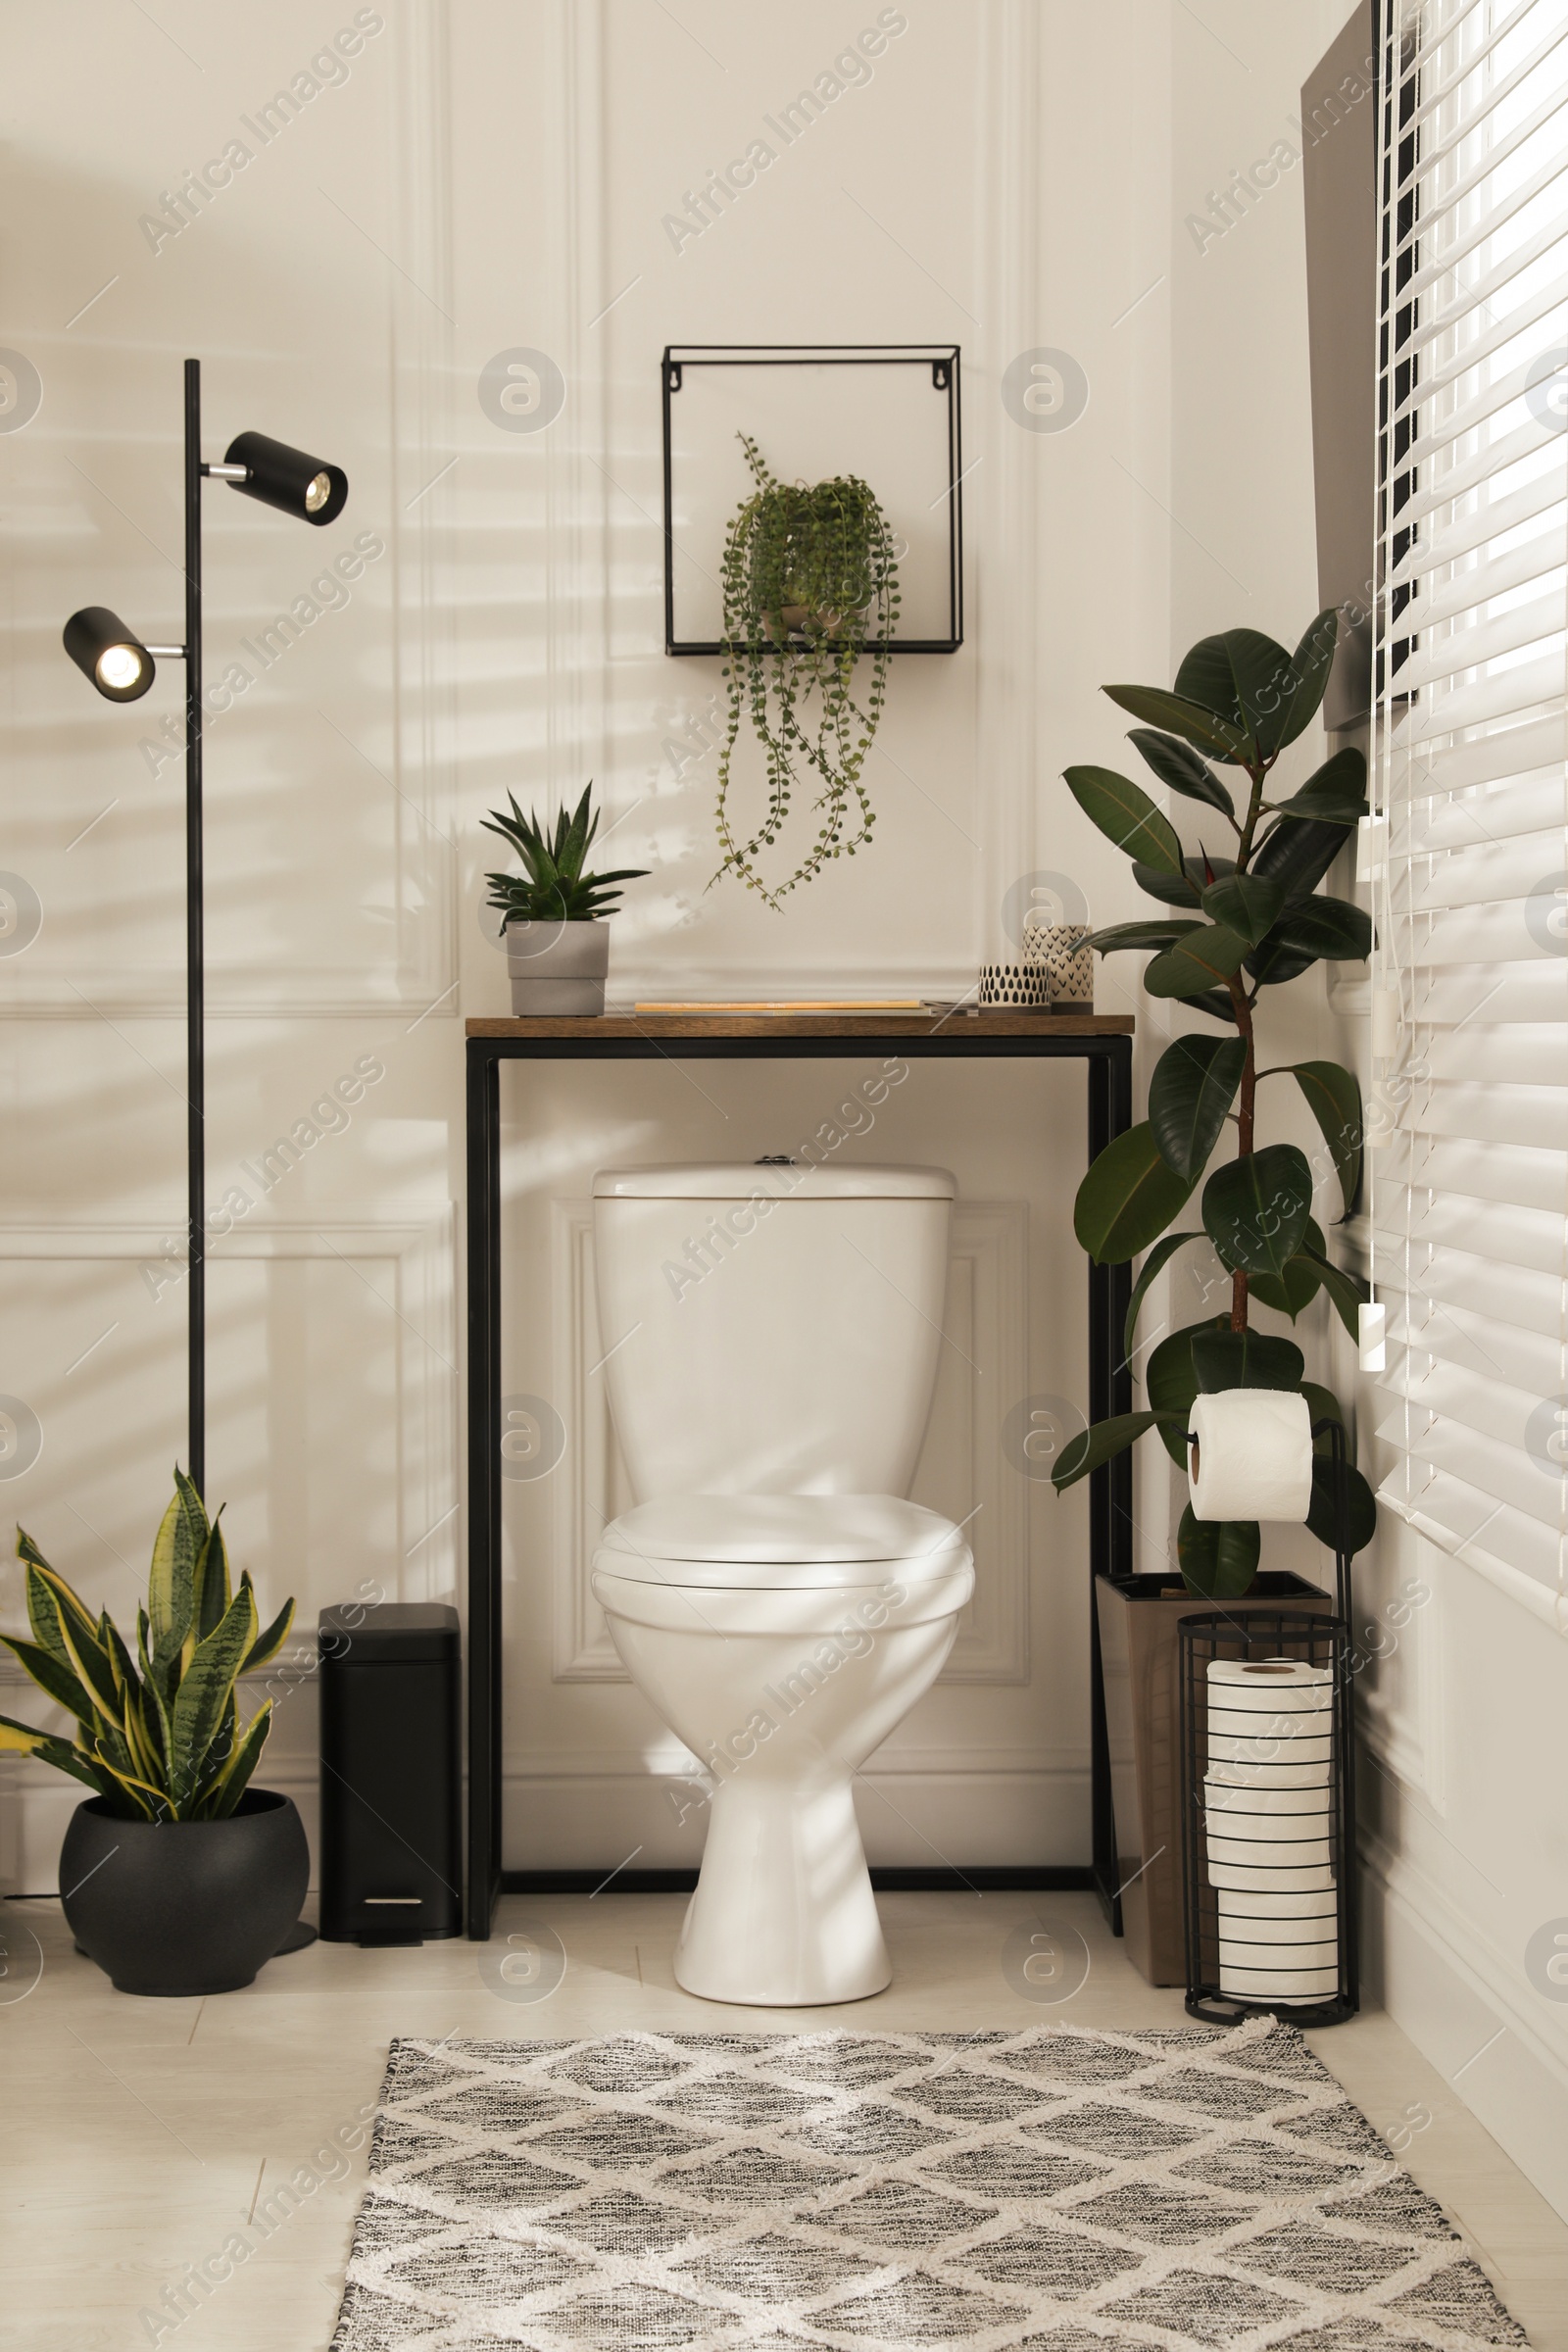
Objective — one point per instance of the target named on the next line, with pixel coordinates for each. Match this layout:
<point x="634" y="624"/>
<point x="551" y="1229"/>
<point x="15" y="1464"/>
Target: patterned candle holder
<point x="1059" y="952"/>
<point x="1013" y="988"/>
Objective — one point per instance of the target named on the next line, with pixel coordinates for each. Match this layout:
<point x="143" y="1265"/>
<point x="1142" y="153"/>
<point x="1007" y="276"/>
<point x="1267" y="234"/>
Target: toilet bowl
<point x="773" y="1595"/>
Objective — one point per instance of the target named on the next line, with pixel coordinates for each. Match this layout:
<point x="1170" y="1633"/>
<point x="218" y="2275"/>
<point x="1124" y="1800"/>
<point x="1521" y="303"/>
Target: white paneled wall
<point x="1015" y="175"/>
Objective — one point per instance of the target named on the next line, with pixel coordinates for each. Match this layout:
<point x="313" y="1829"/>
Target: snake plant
<point x="162" y="1744"/>
<point x="555" y="889"/>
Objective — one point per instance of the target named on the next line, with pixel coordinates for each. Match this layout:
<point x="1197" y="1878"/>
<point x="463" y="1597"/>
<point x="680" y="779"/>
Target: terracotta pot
<point x="1138" y="1624"/>
<point x="557" y="967"/>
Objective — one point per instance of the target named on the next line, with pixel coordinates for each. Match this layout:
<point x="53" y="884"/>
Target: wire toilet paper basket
<point x="1268" y="1817"/>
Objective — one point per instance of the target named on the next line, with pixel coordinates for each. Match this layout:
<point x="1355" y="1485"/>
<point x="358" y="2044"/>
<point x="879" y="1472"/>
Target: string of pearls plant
<point x="811" y="584"/>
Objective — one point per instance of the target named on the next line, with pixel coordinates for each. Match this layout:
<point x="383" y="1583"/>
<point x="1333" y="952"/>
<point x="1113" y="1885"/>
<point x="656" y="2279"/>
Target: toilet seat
<point x="781" y="1543"/>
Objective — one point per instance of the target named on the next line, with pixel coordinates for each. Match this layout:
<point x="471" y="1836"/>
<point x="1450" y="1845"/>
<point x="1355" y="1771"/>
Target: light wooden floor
<point x="138" y="2134"/>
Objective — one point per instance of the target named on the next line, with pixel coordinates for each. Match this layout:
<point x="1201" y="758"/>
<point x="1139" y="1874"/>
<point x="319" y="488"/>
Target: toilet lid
<point x="782" y="1180"/>
<point x="771" y="1541"/>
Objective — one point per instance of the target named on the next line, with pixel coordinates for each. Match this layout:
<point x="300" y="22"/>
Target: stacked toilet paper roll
<point x="1268" y="1797"/>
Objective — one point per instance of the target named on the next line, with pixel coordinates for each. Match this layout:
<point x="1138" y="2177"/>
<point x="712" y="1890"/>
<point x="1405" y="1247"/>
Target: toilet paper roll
<point x="1272" y="1756"/>
<point x="1261" y="1723"/>
<point x="1252" y="1456"/>
<point x="1270" y="1937"/>
<point x="1242" y="1913"/>
<point x="1269" y="1853"/>
<point x="1282" y="1984"/>
<point x="1253" y="1878"/>
<point x="1268" y="1685"/>
<point x="1228" y="1797"/>
<point x="1280" y="1771"/>
<point x="1286" y="1733"/>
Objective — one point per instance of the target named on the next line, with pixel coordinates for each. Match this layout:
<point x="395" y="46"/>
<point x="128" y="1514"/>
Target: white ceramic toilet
<point x="770" y="1339"/>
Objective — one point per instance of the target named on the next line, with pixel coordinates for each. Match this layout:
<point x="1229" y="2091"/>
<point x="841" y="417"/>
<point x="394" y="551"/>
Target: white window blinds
<point x="1470" y="1189"/>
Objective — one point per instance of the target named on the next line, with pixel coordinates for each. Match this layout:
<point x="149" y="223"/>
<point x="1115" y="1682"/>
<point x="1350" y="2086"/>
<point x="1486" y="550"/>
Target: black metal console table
<point x="1103" y="1041"/>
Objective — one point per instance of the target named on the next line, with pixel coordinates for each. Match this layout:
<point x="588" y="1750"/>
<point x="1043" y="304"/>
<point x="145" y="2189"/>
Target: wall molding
<point x="417" y="1240"/>
<point x="1432" y="1956"/>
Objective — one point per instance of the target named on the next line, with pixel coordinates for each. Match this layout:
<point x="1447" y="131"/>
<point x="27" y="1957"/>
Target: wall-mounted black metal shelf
<point x="888" y="412"/>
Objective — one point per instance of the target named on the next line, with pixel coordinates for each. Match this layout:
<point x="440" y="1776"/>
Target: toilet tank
<point x="769" y="1329"/>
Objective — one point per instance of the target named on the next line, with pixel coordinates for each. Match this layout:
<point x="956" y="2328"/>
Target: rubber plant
<point x="1239" y="923"/>
<point x="158" y="1738"/>
<point x="811" y="584"/>
<point x="553" y="887"/>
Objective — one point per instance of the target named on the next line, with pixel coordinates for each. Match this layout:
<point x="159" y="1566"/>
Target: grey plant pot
<point x="557" y="967"/>
<point x="191" y="1907"/>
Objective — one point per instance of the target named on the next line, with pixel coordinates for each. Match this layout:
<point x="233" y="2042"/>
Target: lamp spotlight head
<point x="112" y="656"/>
<point x="286" y="478"/>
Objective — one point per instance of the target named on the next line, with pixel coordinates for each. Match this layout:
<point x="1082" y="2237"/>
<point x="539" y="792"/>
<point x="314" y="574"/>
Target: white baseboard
<point x="1501" y="2048"/>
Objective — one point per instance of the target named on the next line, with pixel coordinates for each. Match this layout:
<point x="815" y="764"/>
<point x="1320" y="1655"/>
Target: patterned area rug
<point x="1198" y="2189"/>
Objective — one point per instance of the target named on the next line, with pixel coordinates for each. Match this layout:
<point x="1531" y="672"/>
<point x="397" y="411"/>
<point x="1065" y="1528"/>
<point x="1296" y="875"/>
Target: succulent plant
<point x="162" y="1744"/>
<point x="553" y="889"/>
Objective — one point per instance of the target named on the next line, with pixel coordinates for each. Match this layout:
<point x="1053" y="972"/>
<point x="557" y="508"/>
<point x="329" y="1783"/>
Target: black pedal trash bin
<point x="391" y="1772"/>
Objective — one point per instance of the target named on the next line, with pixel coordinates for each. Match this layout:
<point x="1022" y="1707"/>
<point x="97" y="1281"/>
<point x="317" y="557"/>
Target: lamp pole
<point x="122" y="668"/>
<point x="195" y="997"/>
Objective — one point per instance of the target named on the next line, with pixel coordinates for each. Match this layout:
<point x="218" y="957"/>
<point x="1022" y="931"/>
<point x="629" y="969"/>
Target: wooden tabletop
<point x="959" y="1025"/>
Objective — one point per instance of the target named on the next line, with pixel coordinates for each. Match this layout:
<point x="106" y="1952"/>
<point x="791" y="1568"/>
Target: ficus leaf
<point x="1170" y="1384"/>
<point x="1362" y="1511"/>
<point x="1348" y="1291"/>
<point x="1255" y="1208"/>
<point x="1179" y="766"/>
<point x="1298" y="1285"/>
<point x="1245" y="905"/>
<point x="1174" y="714"/>
<point x="1334" y="794"/>
<point x="1240" y="676"/>
<point x="1097" y="1444"/>
<point x="1216" y="1006"/>
<point x="1159" y="1256"/>
<point x="1310" y="664"/>
<point x="1324" y="1405"/>
<point x="1245" y="1359"/>
<point x="1126" y="815"/>
<point x="1175" y="890"/>
<point x="1193" y="1087"/>
<point x="1298" y="855"/>
<point x="1127" y="1199"/>
<point x="1332" y="928"/>
<point x="1335" y="1101"/>
<point x="1187" y="888"/>
<point x="1151" y="934"/>
<point x="1205" y="958"/>
<point x="1217" y="1557"/>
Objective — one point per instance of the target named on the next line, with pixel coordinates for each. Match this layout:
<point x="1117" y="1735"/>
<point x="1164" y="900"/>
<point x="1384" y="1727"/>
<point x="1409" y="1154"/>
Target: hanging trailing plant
<point x="1236" y="925"/>
<point x="811" y="584"/>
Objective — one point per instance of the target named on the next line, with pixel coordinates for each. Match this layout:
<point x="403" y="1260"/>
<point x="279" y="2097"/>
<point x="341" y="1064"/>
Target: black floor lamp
<point x="122" y="668"/>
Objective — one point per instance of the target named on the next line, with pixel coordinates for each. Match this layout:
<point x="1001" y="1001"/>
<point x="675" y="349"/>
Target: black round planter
<point x="189" y="1906"/>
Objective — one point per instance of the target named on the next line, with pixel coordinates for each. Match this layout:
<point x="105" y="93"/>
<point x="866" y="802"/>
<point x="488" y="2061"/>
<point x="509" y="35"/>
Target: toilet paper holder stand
<point x="1328" y="1991"/>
